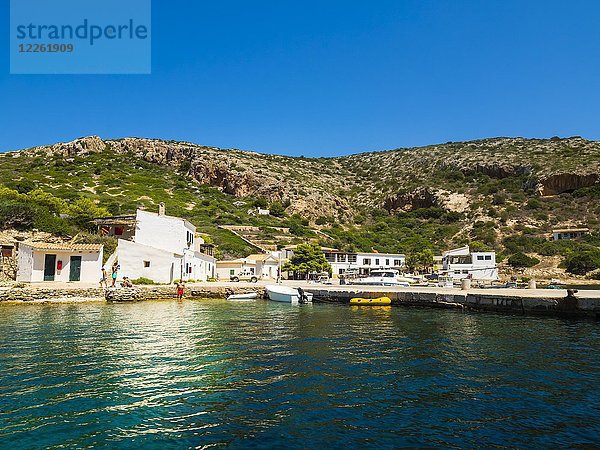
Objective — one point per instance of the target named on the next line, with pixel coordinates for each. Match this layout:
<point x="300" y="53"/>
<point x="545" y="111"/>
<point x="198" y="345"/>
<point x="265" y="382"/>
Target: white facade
<point x="263" y="266"/>
<point x="163" y="249"/>
<point x="462" y="263"/>
<point x="59" y="262"/>
<point x="569" y="233"/>
<point x="342" y="262"/>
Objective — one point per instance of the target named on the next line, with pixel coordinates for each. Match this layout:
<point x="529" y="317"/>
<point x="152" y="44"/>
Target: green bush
<point x="522" y="260"/>
<point x="143" y="281"/>
<point x="582" y="261"/>
<point x="18" y="215"/>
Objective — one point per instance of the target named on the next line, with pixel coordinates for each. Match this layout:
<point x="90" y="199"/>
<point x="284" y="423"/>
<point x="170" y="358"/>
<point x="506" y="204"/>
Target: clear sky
<point x="328" y="77"/>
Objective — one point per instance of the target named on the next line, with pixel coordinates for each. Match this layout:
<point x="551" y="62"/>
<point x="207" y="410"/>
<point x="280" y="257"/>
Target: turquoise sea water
<point x="266" y="375"/>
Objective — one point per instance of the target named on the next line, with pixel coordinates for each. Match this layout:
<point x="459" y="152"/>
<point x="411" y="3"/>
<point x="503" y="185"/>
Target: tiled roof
<point x="64" y="246"/>
<point x="260" y="257"/>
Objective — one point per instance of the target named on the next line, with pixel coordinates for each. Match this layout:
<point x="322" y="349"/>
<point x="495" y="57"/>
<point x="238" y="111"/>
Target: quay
<point x="586" y="303"/>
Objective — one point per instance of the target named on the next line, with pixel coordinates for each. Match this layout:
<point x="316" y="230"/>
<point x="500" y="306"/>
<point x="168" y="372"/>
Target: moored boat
<point x="383" y="278"/>
<point x="286" y="294"/>
<point x="357" y="301"/>
<point x="248" y="296"/>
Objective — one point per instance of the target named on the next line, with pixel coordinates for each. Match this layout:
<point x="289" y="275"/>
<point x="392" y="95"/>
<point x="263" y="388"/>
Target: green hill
<point x="490" y="193"/>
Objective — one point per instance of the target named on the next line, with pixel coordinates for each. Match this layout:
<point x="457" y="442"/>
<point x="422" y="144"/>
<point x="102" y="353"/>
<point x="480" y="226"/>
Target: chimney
<point x="161" y="209"/>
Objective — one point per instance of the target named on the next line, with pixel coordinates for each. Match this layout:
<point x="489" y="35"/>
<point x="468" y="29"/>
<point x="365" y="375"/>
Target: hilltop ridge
<point x="401" y="200"/>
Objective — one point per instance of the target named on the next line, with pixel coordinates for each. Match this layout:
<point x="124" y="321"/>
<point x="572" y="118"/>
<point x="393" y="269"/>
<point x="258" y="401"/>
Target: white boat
<point x="286" y="294"/>
<point x="243" y="297"/>
<point x="388" y="277"/>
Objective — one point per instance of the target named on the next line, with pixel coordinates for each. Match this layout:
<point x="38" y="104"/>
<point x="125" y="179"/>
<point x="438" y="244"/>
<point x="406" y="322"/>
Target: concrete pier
<point x="513" y="301"/>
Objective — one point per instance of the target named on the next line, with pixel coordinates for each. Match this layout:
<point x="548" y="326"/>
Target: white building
<point x="569" y="233"/>
<point x="158" y="247"/>
<point x="462" y="263"/>
<point x="59" y="262"/>
<point x="362" y="262"/>
<point x="264" y="266"/>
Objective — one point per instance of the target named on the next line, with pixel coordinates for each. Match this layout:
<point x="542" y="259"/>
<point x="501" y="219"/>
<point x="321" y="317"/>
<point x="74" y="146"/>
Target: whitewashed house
<point x="569" y="233"/>
<point x="462" y="263"/>
<point x="43" y="261"/>
<point x="362" y="262"/>
<point x="158" y="247"/>
<point x="264" y="266"/>
<point x="359" y="262"/>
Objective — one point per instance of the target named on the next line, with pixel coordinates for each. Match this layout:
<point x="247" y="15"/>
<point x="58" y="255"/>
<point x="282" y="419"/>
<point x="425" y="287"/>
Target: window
<point x="341" y="257"/>
<point x="330" y="257"/>
<point x="231" y="272"/>
<point x="146" y="263"/>
<point x="342" y="271"/>
<point x="376" y="261"/>
<point x="387" y="262"/>
<point x="397" y="262"/>
<point x="118" y="231"/>
<point x="252" y="270"/>
<point x="465" y="271"/>
<point x="488" y="257"/>
<point x="479" y="257"/>
<point x="367" y="261"/>
<point x="457" y="272"/>
<point x="351" y="258"/>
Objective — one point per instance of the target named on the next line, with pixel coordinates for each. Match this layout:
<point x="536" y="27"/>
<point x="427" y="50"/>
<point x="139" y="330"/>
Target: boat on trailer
<point x="287" y="294"/>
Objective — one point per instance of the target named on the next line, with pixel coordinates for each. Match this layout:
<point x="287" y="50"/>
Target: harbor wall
<point x="512" y="301"/>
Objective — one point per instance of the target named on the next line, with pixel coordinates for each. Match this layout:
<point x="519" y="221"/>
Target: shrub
<point x="16" y="215"/>
<point x="143" y="281"/>
<point x="582" y="261"/>
<point x="276" y="209"/>
<point x="522" y="260"/>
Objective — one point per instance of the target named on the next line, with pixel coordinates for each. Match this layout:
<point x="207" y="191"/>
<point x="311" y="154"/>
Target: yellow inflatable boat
<point x="371" y="301"/>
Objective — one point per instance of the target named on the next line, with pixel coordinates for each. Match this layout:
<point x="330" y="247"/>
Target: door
<point x="49" y="267"/>
<point x="75" y="268"/>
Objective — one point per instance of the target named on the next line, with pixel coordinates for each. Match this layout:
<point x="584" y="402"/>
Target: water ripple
<point x="211" y="374"/>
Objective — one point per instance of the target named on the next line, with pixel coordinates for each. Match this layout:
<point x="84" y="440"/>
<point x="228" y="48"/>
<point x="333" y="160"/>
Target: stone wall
<point x="30" y="294"/>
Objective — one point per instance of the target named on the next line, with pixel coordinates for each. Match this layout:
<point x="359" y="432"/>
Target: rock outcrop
<point x="396" y="180"/>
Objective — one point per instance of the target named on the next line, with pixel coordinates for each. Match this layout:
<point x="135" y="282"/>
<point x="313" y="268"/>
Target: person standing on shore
<point x="114" y="276"/>
<point x="104" y="279"/>
<point x="180" y="290"/>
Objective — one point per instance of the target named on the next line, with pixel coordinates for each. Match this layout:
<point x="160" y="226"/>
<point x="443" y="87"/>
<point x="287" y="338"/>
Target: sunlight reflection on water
<point x="198" y="373"/>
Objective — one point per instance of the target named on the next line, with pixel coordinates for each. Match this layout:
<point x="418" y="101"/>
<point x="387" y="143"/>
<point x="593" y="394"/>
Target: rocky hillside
<point x="395" y="200"/>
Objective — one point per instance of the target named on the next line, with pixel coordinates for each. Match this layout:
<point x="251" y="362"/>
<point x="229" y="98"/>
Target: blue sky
<point x="325" y="78"/>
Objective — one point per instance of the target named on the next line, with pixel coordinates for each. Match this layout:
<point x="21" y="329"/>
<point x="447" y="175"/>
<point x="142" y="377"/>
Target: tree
<point x="422" y="260"/>
<point x="307" y="258"/>
<point x="520" y="259"/>
<point x="276" y="209"/>
<point x="16" y="215"/>
<point x="583" y="261"/>
<point x="83" y="211"/>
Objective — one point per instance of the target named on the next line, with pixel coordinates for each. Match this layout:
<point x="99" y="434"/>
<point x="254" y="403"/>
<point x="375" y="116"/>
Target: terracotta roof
<point x="240" y="262"/>
<point x="260" y="256"/>
<point x="64" y="246"/>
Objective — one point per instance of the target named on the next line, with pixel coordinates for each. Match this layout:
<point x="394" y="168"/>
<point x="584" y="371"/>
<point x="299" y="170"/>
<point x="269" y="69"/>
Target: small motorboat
<point x="243" y="297"/>
<point x="286" y="294"/>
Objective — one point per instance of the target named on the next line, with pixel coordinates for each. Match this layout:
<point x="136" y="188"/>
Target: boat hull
<point x="284" y="294"/>
<point x="243" y="297"/>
